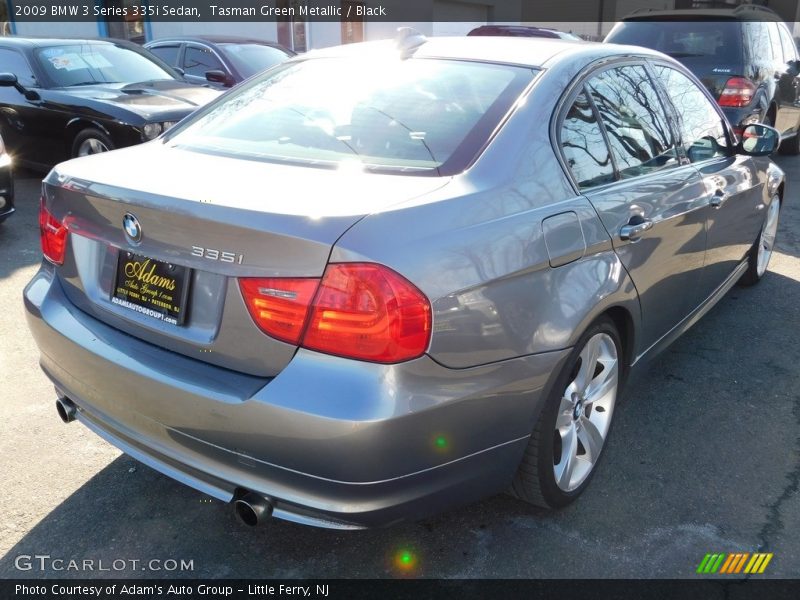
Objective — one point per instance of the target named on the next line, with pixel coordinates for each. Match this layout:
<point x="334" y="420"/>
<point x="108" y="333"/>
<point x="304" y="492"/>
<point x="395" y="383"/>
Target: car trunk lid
<point x="220" y="218"/>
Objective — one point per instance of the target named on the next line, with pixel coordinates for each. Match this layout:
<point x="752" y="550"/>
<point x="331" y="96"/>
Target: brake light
<point x="738" y="91"/>
<point x="279" y="306"/>
<point x="53" y="235"/>
<point x="362" y="311"/>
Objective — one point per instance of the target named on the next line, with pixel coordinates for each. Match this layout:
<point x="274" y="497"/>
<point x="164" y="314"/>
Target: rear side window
<point x="634" y="119"/>
<point x="775" y="42"/>
<point x="760" y="42"/>
<point x="702" y="132"/>
<point x="169" y="54"/>
<point x="789" y="47"/>
<point x="12" y="61"/>
<point x="583" y="145"/>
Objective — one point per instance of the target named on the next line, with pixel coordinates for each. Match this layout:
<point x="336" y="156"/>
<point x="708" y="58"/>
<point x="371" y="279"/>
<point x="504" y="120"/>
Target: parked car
<point x="62" y="98"/>
<point x="746" y="57"/>
<point x="221" y="61"/>
<point x="6" y="183"/>
<point x="524" y="31"/>
<point x="466" y="246"/>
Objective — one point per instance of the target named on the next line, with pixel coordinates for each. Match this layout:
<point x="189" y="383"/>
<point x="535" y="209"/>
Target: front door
<point x="650" y="204"/>
<point x="732" y="189"/>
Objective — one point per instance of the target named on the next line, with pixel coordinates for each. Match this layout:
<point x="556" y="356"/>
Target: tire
<point x="569" y="409"/>
<point x="90" y="141"/>
<point x="761" y="250"/>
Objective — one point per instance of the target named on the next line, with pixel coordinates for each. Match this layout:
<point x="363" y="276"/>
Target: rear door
<point x="784" y="94"/>
<point x="789" y="80"/>
<point x="618" y="143"/>
<point x="731" y="182"/>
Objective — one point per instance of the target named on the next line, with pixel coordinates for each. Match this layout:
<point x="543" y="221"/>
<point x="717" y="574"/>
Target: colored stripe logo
<point x="733" y="563"/>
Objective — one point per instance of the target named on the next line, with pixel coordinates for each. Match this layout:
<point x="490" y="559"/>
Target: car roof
<point x="521" y="29"/>
<point x="213" y="39"/>
<point x="534" y="52"/>
<point x="745" y="12"/>
<point x="42" y="42"/>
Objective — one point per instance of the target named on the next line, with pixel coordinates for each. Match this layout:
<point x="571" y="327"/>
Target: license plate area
<point x="151" y="287"/>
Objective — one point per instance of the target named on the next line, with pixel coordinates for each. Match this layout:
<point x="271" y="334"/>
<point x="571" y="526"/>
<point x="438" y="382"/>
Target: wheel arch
<point x="78" y="124"/>
<point x="623" y="321"/>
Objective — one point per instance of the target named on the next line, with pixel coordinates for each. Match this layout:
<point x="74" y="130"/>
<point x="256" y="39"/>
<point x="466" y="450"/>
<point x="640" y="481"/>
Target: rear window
<point x="721" y="40"/>
<point x="418" y="115"/>
<point x="250" y="59"/>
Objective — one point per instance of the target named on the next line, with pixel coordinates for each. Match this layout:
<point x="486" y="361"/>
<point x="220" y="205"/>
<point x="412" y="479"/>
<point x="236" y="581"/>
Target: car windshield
<point x="250" y="59"/>
<point x="680" y="39"/>
<point x="380" y="113"/>
<point x="88" y="64"/>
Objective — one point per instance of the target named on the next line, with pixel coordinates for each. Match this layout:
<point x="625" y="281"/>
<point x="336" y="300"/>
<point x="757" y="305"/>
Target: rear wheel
<point x="569" y="437"/>
<point x="91" y="141"/>
<point x="761" y="252"/>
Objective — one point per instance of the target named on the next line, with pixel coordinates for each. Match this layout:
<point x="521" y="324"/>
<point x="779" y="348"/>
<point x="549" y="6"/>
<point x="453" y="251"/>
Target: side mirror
<point x="8" y="80"/>
<point x="180" y="71"/>
<point x="220" y="77"/>
<point x="758" y="140"/>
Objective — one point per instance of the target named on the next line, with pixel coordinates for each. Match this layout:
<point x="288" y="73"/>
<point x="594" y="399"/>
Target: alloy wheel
<point x="91" y="146"/>
<point x="584" y="415"/>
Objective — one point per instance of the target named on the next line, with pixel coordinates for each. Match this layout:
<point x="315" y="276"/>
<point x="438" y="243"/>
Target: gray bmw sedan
<point x="380" y="280"/>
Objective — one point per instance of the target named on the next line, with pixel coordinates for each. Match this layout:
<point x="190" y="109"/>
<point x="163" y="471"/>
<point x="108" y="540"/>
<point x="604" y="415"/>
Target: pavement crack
<point x="774" y="524"/>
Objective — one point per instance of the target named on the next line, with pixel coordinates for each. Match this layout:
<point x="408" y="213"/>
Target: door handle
<point x="635" y="228"/>
<point x="719" y="198"/>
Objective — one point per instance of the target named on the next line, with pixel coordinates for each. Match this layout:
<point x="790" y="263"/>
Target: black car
<point x="221" y="61"/>
<point x="6" y="184"/>
<point x="62" y="98"/>
<point x="524" y="31"/>
<point x="746" y="57"/>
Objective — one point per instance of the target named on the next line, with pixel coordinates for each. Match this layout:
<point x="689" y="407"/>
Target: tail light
<point x="279" y="306"/>
<point x="53" y="235"/>
<point x="362" y="311"/>
<point x="738" y="92"/>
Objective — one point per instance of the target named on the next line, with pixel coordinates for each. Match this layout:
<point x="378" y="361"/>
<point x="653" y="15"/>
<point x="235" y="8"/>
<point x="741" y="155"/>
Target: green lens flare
<point x="405" y="561"/>
<point x="441" y="442"/>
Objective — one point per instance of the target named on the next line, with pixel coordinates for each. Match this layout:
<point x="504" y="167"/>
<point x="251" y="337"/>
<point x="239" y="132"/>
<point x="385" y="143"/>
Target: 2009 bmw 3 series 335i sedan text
<point x="380" y="280"/>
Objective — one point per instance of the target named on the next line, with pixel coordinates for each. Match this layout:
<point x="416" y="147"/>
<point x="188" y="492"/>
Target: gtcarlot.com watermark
<point x="46" y="562"/>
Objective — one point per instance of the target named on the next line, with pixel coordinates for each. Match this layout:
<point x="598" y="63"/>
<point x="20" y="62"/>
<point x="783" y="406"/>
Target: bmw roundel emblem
<point x="133" y="230"/>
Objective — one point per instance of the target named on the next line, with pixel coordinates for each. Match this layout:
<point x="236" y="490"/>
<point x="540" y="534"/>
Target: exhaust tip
<point x="252" y="509"/>
<point x="66" y="409"/>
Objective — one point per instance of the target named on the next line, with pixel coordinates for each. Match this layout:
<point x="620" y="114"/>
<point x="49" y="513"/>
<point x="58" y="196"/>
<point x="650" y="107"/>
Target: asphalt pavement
<point x="704" y="457"/>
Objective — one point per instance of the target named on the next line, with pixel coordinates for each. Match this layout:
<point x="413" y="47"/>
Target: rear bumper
<point x="331" y="442"/>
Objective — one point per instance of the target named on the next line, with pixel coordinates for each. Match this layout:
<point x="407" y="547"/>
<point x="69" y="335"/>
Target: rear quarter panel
<point x="477" y="248"/>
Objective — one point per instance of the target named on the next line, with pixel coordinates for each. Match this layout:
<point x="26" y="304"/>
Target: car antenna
<point x="408" y="40"/>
